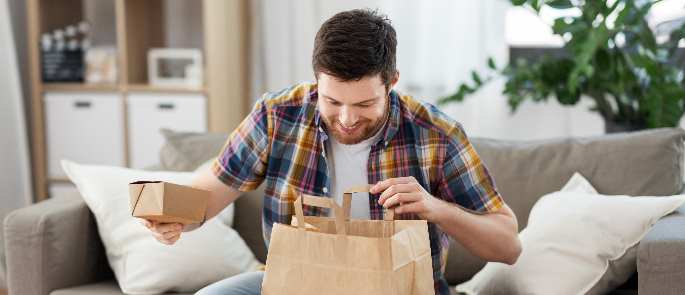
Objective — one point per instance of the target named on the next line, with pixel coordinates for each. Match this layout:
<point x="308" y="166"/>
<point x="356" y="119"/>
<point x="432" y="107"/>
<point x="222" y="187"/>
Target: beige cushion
<point x="639" y="163"/>
<point x="186" y="151"/>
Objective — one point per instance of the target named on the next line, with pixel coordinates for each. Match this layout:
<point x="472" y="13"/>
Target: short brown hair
<point x="355" y="44"/>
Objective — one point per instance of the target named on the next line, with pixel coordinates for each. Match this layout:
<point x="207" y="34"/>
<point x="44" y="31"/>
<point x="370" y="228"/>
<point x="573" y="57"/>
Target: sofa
<point x="53" y="247"/>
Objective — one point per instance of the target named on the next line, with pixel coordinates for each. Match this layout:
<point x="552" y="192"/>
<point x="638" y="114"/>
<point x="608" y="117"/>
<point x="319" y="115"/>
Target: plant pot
<point x="616" y="127"/>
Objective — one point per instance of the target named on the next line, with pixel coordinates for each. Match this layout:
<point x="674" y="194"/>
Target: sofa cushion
<point x="186" y="151"/>
<point x="639" y="163"/>
<point x="248" y="221"/>
<point x="661" y="257"/>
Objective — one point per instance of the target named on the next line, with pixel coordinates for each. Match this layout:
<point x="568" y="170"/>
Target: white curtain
<point x="15" y="185"/>
<point x="439" y="43"/>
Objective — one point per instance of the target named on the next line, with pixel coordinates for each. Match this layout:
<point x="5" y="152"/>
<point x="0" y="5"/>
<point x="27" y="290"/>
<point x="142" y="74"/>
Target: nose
<point x="347" y="117"/>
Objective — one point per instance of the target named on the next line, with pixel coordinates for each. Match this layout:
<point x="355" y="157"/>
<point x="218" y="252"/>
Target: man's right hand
<point x="165" y="233"/>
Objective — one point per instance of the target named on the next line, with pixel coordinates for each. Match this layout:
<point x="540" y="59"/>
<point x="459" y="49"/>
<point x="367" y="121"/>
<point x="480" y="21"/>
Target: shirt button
<point x="325" y="190"/>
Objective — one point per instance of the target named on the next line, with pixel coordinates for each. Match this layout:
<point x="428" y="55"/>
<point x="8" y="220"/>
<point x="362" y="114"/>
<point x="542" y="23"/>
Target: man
<point x="351" y="128"/>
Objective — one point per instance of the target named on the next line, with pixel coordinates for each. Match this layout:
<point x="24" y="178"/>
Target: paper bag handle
<point x="340" y="214"/>
<point x="320" y="202"/>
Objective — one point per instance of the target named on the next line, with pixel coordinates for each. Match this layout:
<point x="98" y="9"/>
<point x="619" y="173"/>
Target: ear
<point x="393" y="82"/>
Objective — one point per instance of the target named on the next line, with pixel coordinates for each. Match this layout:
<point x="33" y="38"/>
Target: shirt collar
<point x="394" y="118"/>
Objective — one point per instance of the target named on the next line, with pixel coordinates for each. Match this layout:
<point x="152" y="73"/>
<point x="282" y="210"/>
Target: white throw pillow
<point x="141" y="264"/>
<point x="570" y="239"/>
<point x="579" y="184"/>
<point x="619" y="269"/>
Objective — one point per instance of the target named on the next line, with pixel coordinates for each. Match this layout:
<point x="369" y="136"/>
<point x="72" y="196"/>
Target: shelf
<point x="165" y="89"/>
<point x="79" y="87"/>
<point x="218" y="28"/>
<point x="83" y="87"/>
<point x="59" y="180"/>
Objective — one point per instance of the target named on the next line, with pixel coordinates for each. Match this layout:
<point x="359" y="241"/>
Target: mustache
<point x="350" y="127"/>
<point x="358" y="123"/>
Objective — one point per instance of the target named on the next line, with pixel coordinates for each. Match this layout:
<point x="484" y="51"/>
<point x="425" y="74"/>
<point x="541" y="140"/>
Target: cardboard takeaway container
<point x="167" y="202"/>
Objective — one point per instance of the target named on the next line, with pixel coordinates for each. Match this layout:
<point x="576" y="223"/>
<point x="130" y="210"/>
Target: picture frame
<point x="175" y="67"/>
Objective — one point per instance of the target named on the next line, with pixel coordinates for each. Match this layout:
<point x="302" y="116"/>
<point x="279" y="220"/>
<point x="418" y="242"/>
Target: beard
<point x="363" y="129"/>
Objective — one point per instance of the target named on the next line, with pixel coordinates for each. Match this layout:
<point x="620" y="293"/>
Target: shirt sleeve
<point x="466" y="181"/>
<point x="243" y="160"/>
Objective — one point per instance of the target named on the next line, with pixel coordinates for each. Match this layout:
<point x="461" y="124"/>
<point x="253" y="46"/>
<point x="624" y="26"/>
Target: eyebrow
<point x="358" y="103"/>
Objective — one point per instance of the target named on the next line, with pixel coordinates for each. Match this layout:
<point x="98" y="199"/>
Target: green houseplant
<point x="611" y="57"/>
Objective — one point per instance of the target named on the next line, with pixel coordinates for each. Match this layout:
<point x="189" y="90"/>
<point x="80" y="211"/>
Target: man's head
<point x="354" y="64"/>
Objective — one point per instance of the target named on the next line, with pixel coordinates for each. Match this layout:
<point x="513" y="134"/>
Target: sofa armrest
<point x="51" y="245"/>
<point x="661" y="256"/>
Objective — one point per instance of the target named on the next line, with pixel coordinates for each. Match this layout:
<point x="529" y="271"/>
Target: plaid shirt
<point x="282" y="142"/>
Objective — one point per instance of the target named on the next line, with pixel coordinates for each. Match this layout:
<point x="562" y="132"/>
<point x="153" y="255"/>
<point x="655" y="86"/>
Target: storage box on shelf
<point x="150" y="112"/>
<point x="84" y="127"/>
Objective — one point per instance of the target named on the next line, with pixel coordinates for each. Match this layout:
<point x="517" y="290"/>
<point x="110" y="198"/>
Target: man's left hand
<point x="408" y="196"/>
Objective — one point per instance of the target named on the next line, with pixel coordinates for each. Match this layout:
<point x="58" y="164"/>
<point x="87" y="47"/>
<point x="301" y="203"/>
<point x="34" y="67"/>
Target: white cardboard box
<point x="85" y="128"/>
<point x="150" y="112"/>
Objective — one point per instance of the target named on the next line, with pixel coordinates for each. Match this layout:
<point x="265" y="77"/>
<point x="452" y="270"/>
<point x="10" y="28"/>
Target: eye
<point x="333" y="102"/>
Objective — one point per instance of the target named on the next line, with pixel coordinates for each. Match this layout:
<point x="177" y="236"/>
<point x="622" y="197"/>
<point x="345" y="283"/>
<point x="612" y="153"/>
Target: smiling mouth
<point x="349" y="130"/>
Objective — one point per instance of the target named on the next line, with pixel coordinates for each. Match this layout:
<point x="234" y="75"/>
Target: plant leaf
<point x="491" y="63"/>
<point x="518" y="2"/>
<point x="476" y="78"/>
<point x="560" y="4"/>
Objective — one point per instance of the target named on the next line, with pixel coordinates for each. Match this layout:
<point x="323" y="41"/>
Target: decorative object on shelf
<point x="101" y="65"/>
<point x="175" y="67"/>
<point x="62" y="53"/>
<point x="611" y="56"/>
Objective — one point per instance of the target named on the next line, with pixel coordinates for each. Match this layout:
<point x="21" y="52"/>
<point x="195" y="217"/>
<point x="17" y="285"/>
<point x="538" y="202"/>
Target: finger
<point x="402" y="198"/>
<point x="164" y="238"/>
<point x="158" y="236"/>
<point x="383" y="185"/>
<point x="170" y="235"/>
<point x="167" y="227"/>
<point x="175" y="239"/>
<point x="414" y="207"/>
<point x="144" y="222"/>
<point x="395" y="189"/>
<point x="165" y="242"/>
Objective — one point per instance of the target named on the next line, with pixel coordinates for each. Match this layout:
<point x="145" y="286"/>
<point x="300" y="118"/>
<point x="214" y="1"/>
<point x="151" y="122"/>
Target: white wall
<point x="15" y="190"/>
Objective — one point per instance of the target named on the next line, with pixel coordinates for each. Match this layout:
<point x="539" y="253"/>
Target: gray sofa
<point x="53" y="247"/>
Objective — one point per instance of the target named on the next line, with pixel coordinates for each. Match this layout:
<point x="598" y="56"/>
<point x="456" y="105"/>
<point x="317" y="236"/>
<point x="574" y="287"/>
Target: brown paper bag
<point x="167" y="202"/>
<point x="336" y="255"/>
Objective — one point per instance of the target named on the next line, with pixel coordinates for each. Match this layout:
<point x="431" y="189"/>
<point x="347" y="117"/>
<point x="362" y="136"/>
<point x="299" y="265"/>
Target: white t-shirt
<point x="347" y="167"/>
